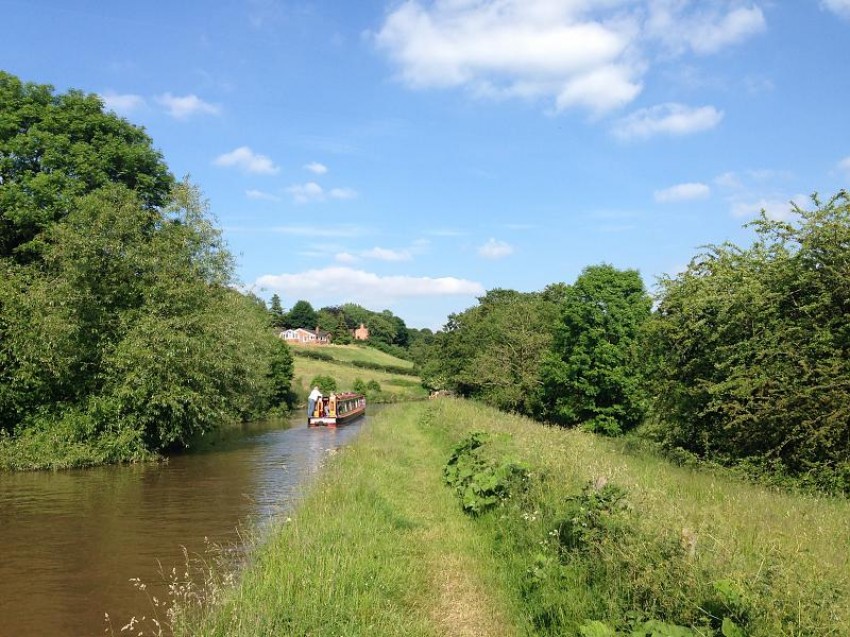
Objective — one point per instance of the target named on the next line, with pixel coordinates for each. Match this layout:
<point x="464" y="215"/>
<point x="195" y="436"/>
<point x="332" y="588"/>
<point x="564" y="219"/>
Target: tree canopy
<point x="120" y="333"/>
<point x="592" y="374"/>
<point x="752" y="345"/>
<point x="57" y="147"/>
<point x="493" y="351"/>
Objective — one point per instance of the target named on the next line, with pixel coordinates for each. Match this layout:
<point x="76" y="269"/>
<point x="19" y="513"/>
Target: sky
<point x="411" y="155"/>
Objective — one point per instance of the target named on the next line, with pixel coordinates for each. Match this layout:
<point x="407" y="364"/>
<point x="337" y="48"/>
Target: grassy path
<point x="378" y="547"/>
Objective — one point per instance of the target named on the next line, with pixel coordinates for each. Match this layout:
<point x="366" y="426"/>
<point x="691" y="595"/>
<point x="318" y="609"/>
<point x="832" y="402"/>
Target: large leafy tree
<point x="592" y="375"/>
<point x="493" y="351"/>
<point x="752" y="345"/>
<point x="57" y="147"/>
<point x="120" y="332"/>
<point x="302" y="315"/>
<point x="127" y="327"/>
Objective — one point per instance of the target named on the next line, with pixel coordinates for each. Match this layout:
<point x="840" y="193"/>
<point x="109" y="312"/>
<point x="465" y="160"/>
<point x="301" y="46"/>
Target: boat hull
<point x="337" y="409"/>
<point x="333" y="421"/>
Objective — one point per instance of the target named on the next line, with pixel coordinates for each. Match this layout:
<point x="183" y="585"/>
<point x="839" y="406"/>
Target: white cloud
<point x="387" y="254"/>
<point x="494" y="249"/>
<point x="728" y="180"/>
<point x="591" y="54"/>
<point x="305" y="193"/>
<point x="682" y="192"/>
<point x="343" y="193"/>
<point x="704" y="31"/>
<point x="667" y="119"/>
<point x="249" y="161"/>
<point x="345" y="257"/>
<point x="342" y="284"/>
<point x="183" y="107"/>
<point x="839" y="7"/>
<point x="774" y="207"/>
<point x="316" y="168"/>
<point x="844" y="164"/>
<point x="527" y="48"/>
<point x="122" y="103"/>
<point x="311" y="192"/>
<point x="259" y="194"/>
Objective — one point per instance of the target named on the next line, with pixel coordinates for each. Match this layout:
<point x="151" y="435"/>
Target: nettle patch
<point x="480" y="480"/>
<point x="589" y="546"/>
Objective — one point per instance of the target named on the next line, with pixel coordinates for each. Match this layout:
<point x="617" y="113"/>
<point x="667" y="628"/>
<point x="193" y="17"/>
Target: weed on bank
<point x="595" y="543"/>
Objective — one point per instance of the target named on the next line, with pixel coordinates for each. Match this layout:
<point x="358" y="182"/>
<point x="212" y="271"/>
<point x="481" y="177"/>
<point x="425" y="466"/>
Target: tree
<point x="302" y="315"/>
<point x="55" y="148"/>
<point x="126" y="329"/>
<point x="752" y="346"/>
<point x="332" y="320"/>
<point x="493" y="351"/>
<point x="593" y="373"/>
<point x="276" y="311"/>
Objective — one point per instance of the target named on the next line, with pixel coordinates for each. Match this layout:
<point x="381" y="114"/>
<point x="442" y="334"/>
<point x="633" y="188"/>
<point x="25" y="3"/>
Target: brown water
<point x="70" y="541"/>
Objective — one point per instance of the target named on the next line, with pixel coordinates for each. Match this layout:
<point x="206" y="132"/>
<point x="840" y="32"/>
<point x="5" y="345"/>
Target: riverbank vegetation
<point x="447" y="517"/>
<point x="743" y="359"/>
<point x="121" y="332"/>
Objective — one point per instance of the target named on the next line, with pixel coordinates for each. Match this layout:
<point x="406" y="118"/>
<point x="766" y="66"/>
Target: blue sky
<point x="412" y="155"/>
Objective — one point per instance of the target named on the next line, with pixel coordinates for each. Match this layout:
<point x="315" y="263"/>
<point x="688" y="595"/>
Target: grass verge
<point x="378" y="547"/>
<point x="565" y="535"/>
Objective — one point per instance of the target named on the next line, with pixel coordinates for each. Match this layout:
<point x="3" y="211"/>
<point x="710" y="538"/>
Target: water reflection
<point x="72" y="540"/>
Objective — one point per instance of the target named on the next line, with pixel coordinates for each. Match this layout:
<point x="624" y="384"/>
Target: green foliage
<point x="55" y="148"/>
<point x="359" y="386"/>
<point x="332" y="320"/>
<point x="651" y="628"/>
<point x="596" y="512"/>
<point x="276" y="312"/>
<point x="593" y="373"/>
<point x="302" y="315"/>
<point x="326" y="384"/>
<point x="751" y="348"/>
<point x="481" y="482"/>
<point x="126" y="333"/>
<point x="493" y="351"/>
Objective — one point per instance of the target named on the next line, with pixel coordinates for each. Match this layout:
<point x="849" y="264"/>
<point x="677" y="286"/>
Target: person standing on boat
<point x="314" y="396"/>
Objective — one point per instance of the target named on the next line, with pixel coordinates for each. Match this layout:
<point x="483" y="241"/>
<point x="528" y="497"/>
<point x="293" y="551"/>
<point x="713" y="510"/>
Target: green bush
<point x="326" y="384"/>
<point x="751" y="348"/>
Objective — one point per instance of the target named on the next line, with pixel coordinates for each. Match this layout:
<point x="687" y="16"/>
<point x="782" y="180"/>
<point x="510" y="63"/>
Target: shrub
<point x="326" y="384"/>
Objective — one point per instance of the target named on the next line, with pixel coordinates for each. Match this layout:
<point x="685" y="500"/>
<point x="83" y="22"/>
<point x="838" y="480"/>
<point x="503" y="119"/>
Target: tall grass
<point x="700" y="542"/>
<point x="380" y="546"/>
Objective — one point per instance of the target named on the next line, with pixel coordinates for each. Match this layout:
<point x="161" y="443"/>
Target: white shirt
<point x="315" y="394"/>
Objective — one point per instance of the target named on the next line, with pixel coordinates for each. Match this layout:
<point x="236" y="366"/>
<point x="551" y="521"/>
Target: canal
<point x="72" y="540"/>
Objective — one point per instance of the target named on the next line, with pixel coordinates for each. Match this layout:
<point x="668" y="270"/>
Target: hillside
<point x="393" y="386"/>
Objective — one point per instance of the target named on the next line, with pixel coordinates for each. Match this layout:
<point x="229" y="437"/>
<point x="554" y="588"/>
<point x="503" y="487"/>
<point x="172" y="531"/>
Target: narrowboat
<point x="337" y="409"/>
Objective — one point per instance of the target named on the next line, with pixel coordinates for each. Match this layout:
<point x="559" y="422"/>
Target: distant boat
<point x="337" y="409"/>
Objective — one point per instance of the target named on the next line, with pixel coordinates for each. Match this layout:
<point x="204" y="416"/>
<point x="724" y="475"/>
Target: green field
<point x="394" y="387"/>
<point x="381" y="546"/>
<point x="349" y="353"/>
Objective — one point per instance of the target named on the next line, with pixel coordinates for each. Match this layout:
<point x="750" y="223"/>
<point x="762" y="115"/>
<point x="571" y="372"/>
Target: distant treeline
<point x="387" y="332"/>
<point x="743" y="358"/>
<point x="121" y="332"/>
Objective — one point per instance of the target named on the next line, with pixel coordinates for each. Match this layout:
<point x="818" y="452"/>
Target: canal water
<point x="71" y="541"/>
